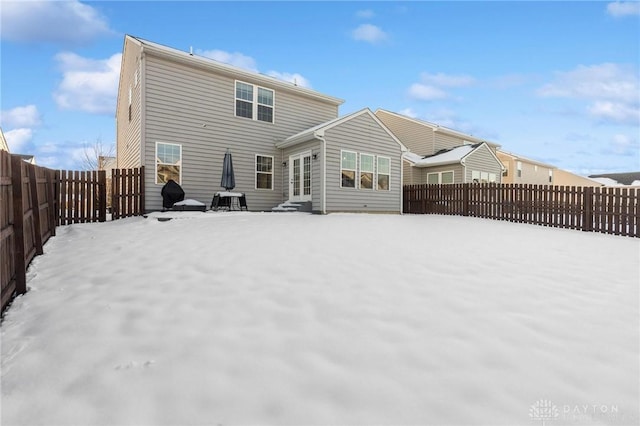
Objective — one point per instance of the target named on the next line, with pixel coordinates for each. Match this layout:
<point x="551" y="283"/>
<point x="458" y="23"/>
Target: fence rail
<point x="596" y="209"/>
<point x="34" y="200"/>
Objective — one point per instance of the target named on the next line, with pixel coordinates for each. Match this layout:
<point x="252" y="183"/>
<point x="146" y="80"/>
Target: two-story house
<point x="519" y="169"/>
<point x="437" y="154"/>
<point x="177" y="114"/>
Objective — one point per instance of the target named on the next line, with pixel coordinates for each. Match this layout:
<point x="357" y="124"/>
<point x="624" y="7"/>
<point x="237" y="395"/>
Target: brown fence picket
<point x="593" y="209"/>
<point x="34" y="200"/>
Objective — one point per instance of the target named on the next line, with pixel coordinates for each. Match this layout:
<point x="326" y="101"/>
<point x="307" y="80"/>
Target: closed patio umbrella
<point x="228" y="180"/>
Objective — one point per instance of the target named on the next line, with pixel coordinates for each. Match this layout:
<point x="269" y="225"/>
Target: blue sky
<point x="553" y="81"/>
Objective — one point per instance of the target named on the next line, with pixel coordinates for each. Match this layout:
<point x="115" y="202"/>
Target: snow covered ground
<point x="298" y="319"/>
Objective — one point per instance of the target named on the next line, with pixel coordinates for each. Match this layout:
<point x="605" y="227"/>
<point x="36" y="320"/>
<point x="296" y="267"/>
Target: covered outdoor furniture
<point x="190" y="206"/>
<point x="229" y="201"/>
<point x="171" y="193"/>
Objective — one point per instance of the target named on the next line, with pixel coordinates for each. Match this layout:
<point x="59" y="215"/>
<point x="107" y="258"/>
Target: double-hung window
<point x="264" y="172"/>
<point x="254" y="102"/>
<point x="440" y="177"/>
<point x="348" y="169"/>
<point x="168" y="162"/>
<point x="384" y="173"/>
<point x="366" y="171"/>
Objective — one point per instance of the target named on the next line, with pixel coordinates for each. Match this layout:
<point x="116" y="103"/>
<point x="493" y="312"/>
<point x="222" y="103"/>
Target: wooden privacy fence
<point x="127" y="192"/>
<point x="612" y="210"/>
<point x="34" y="200"/>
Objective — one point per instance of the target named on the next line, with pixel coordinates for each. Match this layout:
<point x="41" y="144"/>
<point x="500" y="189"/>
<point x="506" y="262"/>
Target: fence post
<point x="102" y="192"/>
<point x="465" y="199"/>
<point x="35" y="208"/>
<point x="587" y="209"/>
<point x="18" y="224"/>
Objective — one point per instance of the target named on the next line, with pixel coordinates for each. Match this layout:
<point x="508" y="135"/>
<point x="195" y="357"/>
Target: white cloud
<point x="446" y="80"/>
<point x="51" y="21"/>
<point x="622" y="145"/>
<point x="611" y="89"/>
<point x="623" y="8"/>
<point x="89" y="85"/>
<point x="240" y="60"/>
<point x="294" y="78"/>
<point x="26" y="116"/>
<point x="408" y="112"/>
<point x="17" y="139"/>
<point x="604" y="81"/>
<point x="614" y="111"/>
<point x="236" y="59"/>
<point x="365" y="14"/>
<point x="369" y="33"/>
<point x="432" y="86"/>
<point x="424" y="92"/>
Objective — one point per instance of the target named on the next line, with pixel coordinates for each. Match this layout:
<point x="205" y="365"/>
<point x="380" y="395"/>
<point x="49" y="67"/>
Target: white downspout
<point x="320" y="135"/>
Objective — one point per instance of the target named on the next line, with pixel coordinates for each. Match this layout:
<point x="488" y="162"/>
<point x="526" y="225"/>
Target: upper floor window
<point x="254" y="102"/>
<point x="519" y="169"/>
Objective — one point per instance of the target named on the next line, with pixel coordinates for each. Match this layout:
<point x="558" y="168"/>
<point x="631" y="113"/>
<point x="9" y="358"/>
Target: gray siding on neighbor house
<point x="128" y="132"/>
<point x="418" y="138"/>
<point x="457" y="168"/>
<point x="362" y="134"/>
<point x="482" y="160"/>
<point x="195" y="107"/>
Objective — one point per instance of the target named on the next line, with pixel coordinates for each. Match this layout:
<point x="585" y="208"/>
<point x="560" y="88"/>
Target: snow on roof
<point x="453" y="155"/>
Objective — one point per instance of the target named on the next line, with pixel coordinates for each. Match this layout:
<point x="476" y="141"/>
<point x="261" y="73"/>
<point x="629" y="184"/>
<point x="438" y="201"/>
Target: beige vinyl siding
<point x="314" y="147"/>
<point x="565" y="178"/>
<point x="410" y="175"/>
<point x="457" y="168"/>
<point x="482" y="160"/>
<point x="128" y="133"/>
<point x="443" y="141"/>
<point x="196" y="108"/>
<point x="533" y="174"/>
<point x="418" y="138"/>
<point x="362" y="134"/>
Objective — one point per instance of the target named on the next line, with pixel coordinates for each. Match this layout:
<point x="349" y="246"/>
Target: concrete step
<point x="288" y="206"/>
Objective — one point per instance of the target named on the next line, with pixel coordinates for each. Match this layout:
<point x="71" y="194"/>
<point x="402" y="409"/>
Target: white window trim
<point x="157" y="162"/>
<point x="384" y="174"/>
<point x="519" y="169"/>
<point x="440" y="177"/>
<point x="360" y="171"/>
<point x="254" y="102"/>
<point x="355" y="186"/>
<point x="272" y="173"/>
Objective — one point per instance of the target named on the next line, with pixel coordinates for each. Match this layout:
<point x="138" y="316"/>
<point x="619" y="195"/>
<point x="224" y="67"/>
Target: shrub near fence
<point x="34" y="200"/>
<point x="608" y="210"/>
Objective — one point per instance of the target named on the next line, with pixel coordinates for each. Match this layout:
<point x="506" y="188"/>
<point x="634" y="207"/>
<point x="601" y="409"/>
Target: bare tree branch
<point x="96" y="156"/>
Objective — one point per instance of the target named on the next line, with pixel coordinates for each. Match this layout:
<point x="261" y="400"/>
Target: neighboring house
<point x="441" y="155"/>
<point x="565" y="178"/>
<point x="618" y="179"/>
<point x="178" y="113"/>
<point x="518" y="169"/>
<point x="3" y="142"/>
<point x="31" y="159"/>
